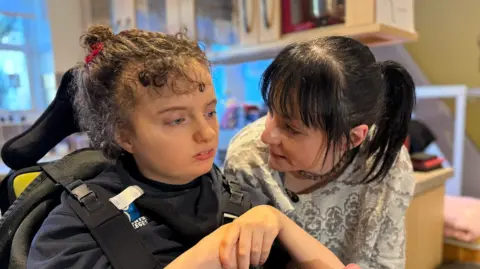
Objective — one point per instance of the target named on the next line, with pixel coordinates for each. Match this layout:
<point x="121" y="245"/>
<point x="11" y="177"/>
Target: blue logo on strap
<point x="132" y="212"/>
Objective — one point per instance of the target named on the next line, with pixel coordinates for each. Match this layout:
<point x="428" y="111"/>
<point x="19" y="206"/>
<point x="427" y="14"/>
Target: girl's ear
<point x="123" y="138"/>
<point x="358" y="134"/>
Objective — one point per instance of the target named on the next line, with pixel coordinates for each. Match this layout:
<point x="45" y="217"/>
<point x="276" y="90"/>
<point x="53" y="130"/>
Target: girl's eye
<point x="177" y="122"/>
<point x="211" y="114"/>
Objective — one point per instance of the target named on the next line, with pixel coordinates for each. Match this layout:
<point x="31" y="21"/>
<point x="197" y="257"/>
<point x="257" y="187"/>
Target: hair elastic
<point x="96" y="49"/>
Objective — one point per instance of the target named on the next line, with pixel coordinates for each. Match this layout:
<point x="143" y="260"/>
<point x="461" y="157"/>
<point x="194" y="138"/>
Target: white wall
<point x="67" y="22"/>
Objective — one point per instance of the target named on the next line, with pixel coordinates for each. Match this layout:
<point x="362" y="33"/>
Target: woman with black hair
<point x="329" y="153"/>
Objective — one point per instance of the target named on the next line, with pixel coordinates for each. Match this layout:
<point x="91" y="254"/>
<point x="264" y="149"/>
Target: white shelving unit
<point x="372" y="22"/>
<point x="473" y="92"/>
<point x="372" y="35"/>
<point x="459" y="93"/>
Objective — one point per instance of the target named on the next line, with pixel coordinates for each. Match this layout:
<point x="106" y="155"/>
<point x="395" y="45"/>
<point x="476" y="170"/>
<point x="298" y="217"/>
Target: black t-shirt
<point x="63" y="241"/>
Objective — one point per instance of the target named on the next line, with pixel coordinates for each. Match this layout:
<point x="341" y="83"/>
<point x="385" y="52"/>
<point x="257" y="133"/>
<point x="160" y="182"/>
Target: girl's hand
<point x="249" y="238"/>
<point x="204" y="255"/>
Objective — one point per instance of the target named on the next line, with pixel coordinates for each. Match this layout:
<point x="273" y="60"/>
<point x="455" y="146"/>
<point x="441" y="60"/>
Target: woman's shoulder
<point x="401" y="176"/>
<point x="399" y="180"/>
<point x="246" y="144"/>
<point x="249" y="133"/>
<point x="398" y="184"/>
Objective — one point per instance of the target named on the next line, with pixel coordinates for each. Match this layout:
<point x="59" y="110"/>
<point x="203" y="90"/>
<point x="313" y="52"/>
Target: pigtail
<point x="392" y="128"/>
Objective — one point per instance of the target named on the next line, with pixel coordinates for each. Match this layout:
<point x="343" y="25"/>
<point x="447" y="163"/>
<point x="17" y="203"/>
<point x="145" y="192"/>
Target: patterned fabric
<point x="360" y="223"/>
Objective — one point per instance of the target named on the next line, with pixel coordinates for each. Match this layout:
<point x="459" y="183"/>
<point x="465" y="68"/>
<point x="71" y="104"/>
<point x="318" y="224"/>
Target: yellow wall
<point x="448" y="50"/>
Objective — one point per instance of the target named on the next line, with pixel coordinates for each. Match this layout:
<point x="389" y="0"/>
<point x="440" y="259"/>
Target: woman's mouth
<point x="275" y="155"/>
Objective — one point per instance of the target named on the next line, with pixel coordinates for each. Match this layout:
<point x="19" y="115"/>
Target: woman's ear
<point x="123" y="139"/>
<point x="358" y="134"/>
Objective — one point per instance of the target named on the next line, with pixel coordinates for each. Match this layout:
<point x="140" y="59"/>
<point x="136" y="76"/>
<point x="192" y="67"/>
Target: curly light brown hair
<point x="109" y="83"/>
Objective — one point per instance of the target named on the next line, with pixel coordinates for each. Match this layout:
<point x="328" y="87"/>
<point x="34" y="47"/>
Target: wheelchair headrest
<point x="55" y="124"/>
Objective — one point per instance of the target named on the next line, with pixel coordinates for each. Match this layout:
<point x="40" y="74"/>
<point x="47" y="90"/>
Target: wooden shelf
<point x="372" y="35"/>
<point x="426" y="181"/>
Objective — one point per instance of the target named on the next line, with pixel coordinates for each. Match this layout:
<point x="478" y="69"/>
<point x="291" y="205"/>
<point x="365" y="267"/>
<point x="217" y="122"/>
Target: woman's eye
<point x="291" y="130"/>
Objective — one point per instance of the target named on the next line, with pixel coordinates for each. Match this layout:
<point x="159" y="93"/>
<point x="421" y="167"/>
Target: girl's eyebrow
<point x="173" y="108"/>
<point x="182" y="108"/>
<point x="212" y="102"/>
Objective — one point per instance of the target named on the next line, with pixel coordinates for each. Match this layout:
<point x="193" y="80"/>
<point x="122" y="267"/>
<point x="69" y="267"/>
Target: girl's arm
<point x="193" y="258"/>
<point x="204" y="255"/>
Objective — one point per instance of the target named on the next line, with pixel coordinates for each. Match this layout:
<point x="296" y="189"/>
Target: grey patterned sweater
<point x="360" y="223"/>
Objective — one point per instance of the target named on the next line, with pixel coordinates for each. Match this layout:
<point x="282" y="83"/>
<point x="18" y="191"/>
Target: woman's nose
<point x="271" y="134"/>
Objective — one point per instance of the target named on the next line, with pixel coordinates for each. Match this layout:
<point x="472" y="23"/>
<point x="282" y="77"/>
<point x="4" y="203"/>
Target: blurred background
<point x="438" y="41"/>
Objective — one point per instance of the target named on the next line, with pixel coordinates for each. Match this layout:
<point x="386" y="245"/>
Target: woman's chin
<point x="279" y="163"/>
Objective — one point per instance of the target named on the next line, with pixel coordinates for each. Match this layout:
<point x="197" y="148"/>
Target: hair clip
<point x="96" y="48"/>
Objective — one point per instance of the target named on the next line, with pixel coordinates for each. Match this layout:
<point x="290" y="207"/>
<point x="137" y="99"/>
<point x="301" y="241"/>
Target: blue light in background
<point x="252" y="72"/>
<point x="219" y="80"/>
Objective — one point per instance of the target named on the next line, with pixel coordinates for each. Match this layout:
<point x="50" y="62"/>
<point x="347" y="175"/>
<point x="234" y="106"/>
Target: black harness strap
<point x="236" y="202"/>
<point x="109" y="226"/>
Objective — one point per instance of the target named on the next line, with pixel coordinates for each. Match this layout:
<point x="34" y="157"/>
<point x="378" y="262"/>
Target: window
<point x="14" y="81"/>
<point x="26" y="58"/>
<point x="11" y="30"/>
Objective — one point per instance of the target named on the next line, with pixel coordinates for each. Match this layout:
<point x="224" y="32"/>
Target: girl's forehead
<point x="191" y="69"/>
<point x="189" y="83"/>
<point x="186" y="101"/>
<point x="174" y="82"/>
<point x="180" y="88"/>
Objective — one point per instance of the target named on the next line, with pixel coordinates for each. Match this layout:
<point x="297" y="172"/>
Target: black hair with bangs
<point x="334" y="84"/>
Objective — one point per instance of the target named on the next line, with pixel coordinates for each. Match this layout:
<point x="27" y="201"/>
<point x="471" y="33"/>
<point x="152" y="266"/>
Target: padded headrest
<point x="54" y="125"/>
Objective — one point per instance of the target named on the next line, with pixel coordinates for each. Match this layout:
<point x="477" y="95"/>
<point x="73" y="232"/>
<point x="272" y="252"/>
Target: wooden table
<point x="424" y="220"/>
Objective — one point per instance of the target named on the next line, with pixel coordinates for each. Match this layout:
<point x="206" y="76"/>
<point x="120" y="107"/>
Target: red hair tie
<point x="96" y="48"/>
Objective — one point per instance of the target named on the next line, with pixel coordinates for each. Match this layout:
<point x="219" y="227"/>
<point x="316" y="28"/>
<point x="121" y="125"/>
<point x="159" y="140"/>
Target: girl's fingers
<point x="256" y="248"/>
<point x="228" y="246"/>
<point x="268" y="239"/>
<point x="233" y="258"/>
<point x="244" y="247"/>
